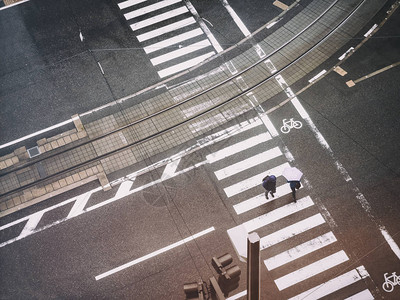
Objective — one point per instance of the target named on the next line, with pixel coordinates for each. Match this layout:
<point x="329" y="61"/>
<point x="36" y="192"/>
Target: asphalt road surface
<point x="148" y="236"/>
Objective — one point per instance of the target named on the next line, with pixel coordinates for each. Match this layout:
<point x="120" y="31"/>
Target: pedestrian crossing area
<point x="298" y="248"/>
<point x="169" y="33"/>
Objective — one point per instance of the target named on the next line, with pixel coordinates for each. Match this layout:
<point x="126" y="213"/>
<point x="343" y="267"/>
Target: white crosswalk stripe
<point x="148" y="20"/>
<point x="232" y="167"/>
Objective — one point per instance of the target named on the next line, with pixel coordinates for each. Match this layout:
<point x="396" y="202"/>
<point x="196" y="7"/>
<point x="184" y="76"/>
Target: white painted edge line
<point x="370" y="31"/>
<point x="17" y="3"/>
<point x="236" y="18"/>
<point x="347" y="52"/>
<point x="317" y="76"/>
<point x="35" y="133"/>
<point x="204" y="27"/>
<point x="153" y="254"/>
<point x="311" y="270"/>
<point x="395" y="248"/>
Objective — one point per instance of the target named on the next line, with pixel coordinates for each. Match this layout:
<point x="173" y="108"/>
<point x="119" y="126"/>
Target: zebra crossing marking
<point x="147" y="9"/>
<point x="334" y="285"/>
<point x="159" y="18"/>
<point x="165" y="29"/>
<point x="253" y="181"/>
<point x="363" y="295"/>
<point x="300" y="251"/>
<point x="128" y="3"/>
<point x="311" y="270"/>
<point x="248" y="163"/>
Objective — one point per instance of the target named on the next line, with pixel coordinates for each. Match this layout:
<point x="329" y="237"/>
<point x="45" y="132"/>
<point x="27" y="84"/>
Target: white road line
<point x="203" y="26"/>
<point x="267" y="122"/>
<point x="30" y="226"/>
<point x="333" y="285"/>
<point x="10" y="5"/>
<point x="153" y="254"/>
<point x="180" y="52"/>
<point x="254" y="181"/>
<point x="311" y="270"/>
<point x="173" y="40"/>
<point x="259" y="200"/>
<point x="236" y="18"/>
<point x="37" y="132"/>
<point x="79" y="205"/>
<point x="170" y="169"/>
<point x="290" y="231"/>
<point x="277" y="214"/>
<point x="248" y="163"/>
<point x="238" y="295"/>
<point x="128" y="3"/>
<point x="238" y="147"/>
<point x="124" y="189"/>
<point x="300" y="251"/>
<point x="165" y="29"/>
<point x="363" y="295"/>
<point x="184" y="65"/>
<point x="149" y="8"/>
<point x="395" y="248"/>
<point x="161" y="17"/>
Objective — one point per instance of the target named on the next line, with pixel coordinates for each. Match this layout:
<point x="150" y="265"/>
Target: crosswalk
<point x="169" y="34"/>
<point x="298" y="247"/>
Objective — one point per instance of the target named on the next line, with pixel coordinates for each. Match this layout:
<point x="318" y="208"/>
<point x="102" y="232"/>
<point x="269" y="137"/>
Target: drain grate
<point x="33" y="151"/>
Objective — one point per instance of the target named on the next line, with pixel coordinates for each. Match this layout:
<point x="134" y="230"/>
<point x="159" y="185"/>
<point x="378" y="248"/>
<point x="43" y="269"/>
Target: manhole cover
<point x="33" y="151"/>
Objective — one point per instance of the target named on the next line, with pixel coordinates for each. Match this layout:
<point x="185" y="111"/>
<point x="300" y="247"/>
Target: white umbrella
<point x="292" y="174"/>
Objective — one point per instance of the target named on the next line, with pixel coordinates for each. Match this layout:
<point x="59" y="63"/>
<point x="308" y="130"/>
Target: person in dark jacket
<point x="294" y="185"/>
<point x="269" y="184"/>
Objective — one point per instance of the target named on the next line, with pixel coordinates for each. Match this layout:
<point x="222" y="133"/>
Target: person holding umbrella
<point x="269" y="184"/>
<point x="293" y="176"/>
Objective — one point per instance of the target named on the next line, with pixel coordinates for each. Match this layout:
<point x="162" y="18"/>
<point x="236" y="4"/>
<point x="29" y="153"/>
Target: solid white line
<point x="277" y="214"/>
<point x="170" y="169"/>
<point x="35" y="133"/>
<point x="30" y="226"/>
<point x="203" y="26"/>
<point x="311" y="270"/>
<point x="180" y="52"/>
<point x="173" y="40"/>
<point x="153" y="254"/>
<point x="395" y="248"/>
<point x="363" y="295"/>
<point x="254" y="181"/>
<point x="236" y="18"/>
<point x="165" y="29"/>
<point x="161" y="17"/>
<point x="248" y="163"/>
<point x="238" y="147"/>
<point x="16" y="3"/>
<point x="330" y="286"/>
<point x="79" y="205"/>
<point x="184" y="65"/>
<point x="270" y="127"/>
<point x="300" y="251"/>
<point x="128" y="3"/>
<point x="259" y="200"/>
<point x="149" y="8"/>
<point x="291" y="231"/>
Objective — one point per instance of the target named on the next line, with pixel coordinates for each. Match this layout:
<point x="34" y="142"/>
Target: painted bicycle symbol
<point x="390" y="282"/>
<point x="287" y="125"/>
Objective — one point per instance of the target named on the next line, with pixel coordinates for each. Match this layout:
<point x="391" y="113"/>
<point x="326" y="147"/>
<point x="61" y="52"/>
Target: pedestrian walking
<point x="294" y="185"/>
<point x="269" y="184"/>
